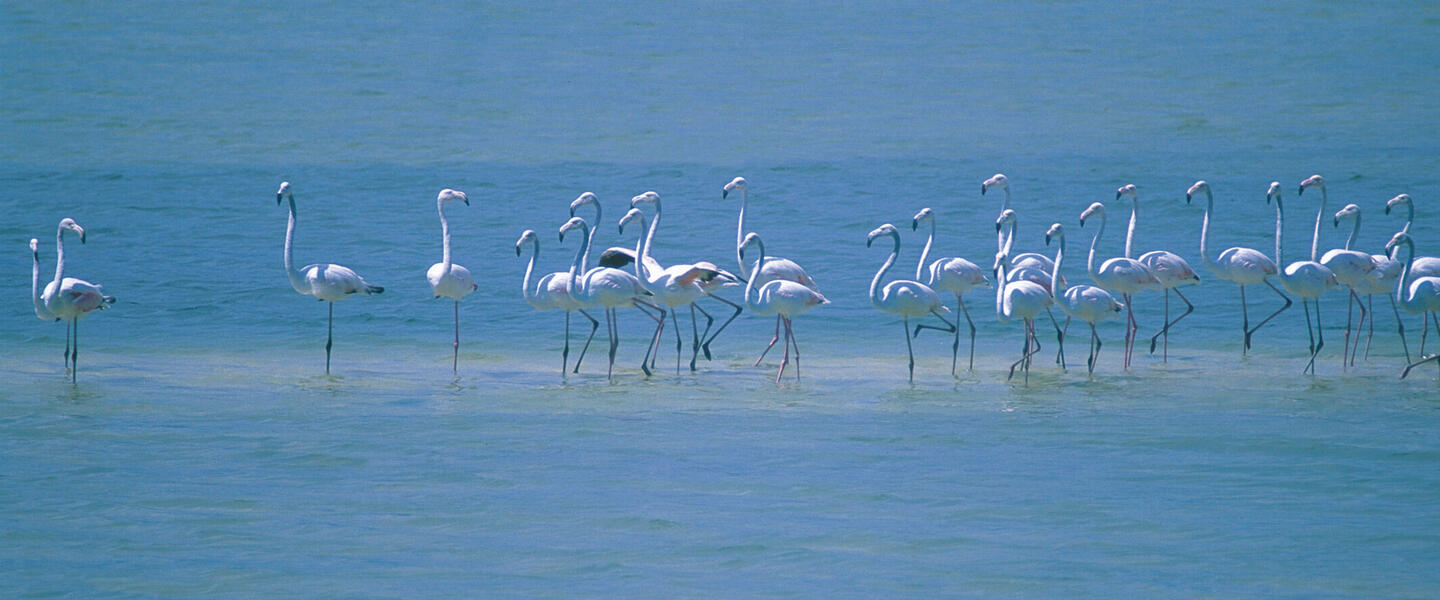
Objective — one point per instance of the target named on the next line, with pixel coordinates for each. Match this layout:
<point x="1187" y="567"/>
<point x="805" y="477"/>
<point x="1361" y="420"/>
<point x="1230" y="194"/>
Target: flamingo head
<point x="1056" y="231"/>
<point x="751" y="239"/>
<point x="283" y="193"/>
<point x="633" y="214"/>
<point x="645" y="198"/>
<point x="526" y="236"/>
<point x="1095" y="208"/>
<point x="69" y="223"/>
<point x="925" y="214"/>
<point x="1397" y="202"/>
<point x="1312" y="181"/>
<point x="1398" y="239"/>
<point x="35" y="248"/>
<point x="737" y="183"/>
<point x="1273" y="192"/>
<point x="582" y="200"/>
<point x="1350" y="211"/>
<point x="1198" y="187"/>
<point x="886" y="229"/>
<point x="572" y="224"/>
<point x="1007" y="216"/>
<point x="449" y="195"/>
<point x="1127" y="190"/>
<point x="997" y="180"/>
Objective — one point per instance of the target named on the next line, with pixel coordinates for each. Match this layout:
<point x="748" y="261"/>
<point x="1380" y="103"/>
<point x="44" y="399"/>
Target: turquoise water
<point x="203" y="453"/>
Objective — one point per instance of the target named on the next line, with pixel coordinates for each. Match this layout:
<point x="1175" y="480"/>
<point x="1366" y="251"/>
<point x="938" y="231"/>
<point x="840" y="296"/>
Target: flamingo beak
<point x="1187" y="198"/>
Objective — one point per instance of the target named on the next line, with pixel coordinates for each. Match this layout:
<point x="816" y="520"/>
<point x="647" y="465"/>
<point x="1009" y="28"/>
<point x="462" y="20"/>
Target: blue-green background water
<point x="204" y="454"/>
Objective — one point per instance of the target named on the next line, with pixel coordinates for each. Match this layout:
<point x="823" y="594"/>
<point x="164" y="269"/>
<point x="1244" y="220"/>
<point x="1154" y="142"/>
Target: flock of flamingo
<point x="1029" y="283"/>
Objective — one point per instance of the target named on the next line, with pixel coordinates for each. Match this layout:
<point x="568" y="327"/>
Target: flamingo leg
<point x="909" y="348"/>
<point x="75" y="353"/>
<point x="1424" y="329"/>
<point x="1244" y="324"/>
<point x="1024" y="354"/>
<point x="705" y="346"/>
<point x="1369" y="337"/>
<point x="695" y="332"/>
<point x="773" y="339"/>
<point x="1165" y="331"/>
<point x="614" y="343"/>
<point x="594" y="326"/>
<point x="1262" y="322"/>
<point x="1094" y="349"/>
<point x="956" y="348"/>
<point x="1059" y="338"/>
<point x="654" y="348"/>
<point x="565" y="353"/>
<point x="1364" y="314"/>
<point x="1401" y="325"/>
<point x="1309" y="332"/>
<point x="68" y="327"/>
<point x="455" y="360"/>
<point x="1319" y="336"/>
<point x="1130" y="328"/>
<point x="790" y="331"/>
<point x="329" y="337"/>
<point x="1349" y="308"/>
<point x="786" y="359"/>
<point x="675" y="320"/>
<point x="1432" y="358"/>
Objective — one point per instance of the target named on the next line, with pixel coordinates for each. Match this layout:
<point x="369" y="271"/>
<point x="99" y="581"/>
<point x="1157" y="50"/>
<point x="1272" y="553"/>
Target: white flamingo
<point x="1170" y="271"/>
<point x="709" y="279"/>
<point x="553" y="291"/>
<point x="1023" y="299"/>
<point x="949" y="274"/>
<point x="1120" y="274"/>
<point x="1307" y="279"/>
<point x="606" y="287"/>
<point x="1025" y="259"/>
<point x="1417" y="294"/>
<point x="903" y="297"/>
<point x="1088" y="303"/>
<point x="1425" y="266"/>
<point x="447" y="279"/>
<point x="672" y="288"/>
<point x="1244" y="266"/>
<point x="1378" y="274"/>
<point x="772" y="268"/>
<point x="1350" y="267"/>
<point x="65" y="298"/>
<point x="781" y="297"/>
<point x="327" y="282"/>
<point x="1028" y="266"/>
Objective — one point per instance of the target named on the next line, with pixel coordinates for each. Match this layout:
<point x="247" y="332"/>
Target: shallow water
<point x="204" y="453"/>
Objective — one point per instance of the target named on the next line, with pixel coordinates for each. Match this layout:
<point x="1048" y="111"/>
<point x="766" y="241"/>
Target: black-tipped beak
<point x="467" y="201"/>
<point x="1047" y="239"/>
<point x="1337" y="221"/>
<point x="1302" y="191"/>
<point x="278" y="198"/>
<point x="517" y="249"/>
<point x="984" y="188"/>
<point x="1117" y="195"/>
<point x="914" y="224"/>
<point x="724" y="194"/>
<point x="1187" y="198"/>
<point x="1387" y="209"/>
<point x="82" y="237"/>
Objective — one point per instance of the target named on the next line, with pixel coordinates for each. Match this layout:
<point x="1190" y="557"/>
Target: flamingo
<point x="65" y="298"/>
<point x="1377" y="275"/>
<point x="710" y="279"/>
<point x="1029" y="266"/>
<point x="672" y="288"/>
<point x="327" y="282"/>
<point x="955" y="275"/>
<point x="772" y="267"/>
<point x="446" y="278"/>
<point x="903" y="297"/>
<point x="1019" y="298"/>
<point x="1350" y="266"/>
<point x="1244" y="266"/>
<point x="606" y="287"/>
<point x="1417" y="294"/>
<point x="1425" y="266"/>
<point x="1307" y="279"/>
<point x="553" y="291"/>
<point x="781" y="297"/>
<point x="1025" y="259"/>
<point x="1169" y="269"/>
<point x="1119" y="274"/>
<point x="1085" y="302"/>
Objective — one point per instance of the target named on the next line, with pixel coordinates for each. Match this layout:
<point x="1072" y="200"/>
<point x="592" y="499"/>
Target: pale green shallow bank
<point x="203" y="453"/>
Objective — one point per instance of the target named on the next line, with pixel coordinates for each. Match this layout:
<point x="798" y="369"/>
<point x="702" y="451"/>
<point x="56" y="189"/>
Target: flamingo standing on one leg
<point x="328" y="282"/>
<point x="954" y="275"/>
<point x="773" y="267"/>
<point x="446" y="278"/>
<point x="1170" y="271"/>
<point x="65" y="298"/>
<point x="1120" y="274"/>
<point x="553" y="291"/>
<point x="1307" y="279"/>
<point x="606" y="287"/>
<point x="1417" y="294"/>
<point x="782" y="297"/>
<point x="1244" y="266"/>
<point x="903" y="297"/>
<point x="1088" y="303"/>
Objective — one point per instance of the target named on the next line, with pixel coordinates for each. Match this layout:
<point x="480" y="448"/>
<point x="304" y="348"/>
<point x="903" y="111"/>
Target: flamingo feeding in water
<point x="65" y="298"/>
<point x="327" y="282"/>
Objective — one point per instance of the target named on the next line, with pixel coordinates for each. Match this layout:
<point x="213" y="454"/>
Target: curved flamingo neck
<point x="59" y="256"/>
<point x="40" y="309"/>
<point x="1130" y="230"/>
<point x="531" y="293"/>
<point x="1405" y="274"/>
<point x="875" y="283"/>
<point x="445" y="237"/>
<point x="920" y="267"/>
<point x="577" y="268"/>
<point x="1090" y="263"/>
<point x="1354" y="233"/>
<point x="1409" y="216"/>
<point x="1056" y="288"/>
<point x="1000" y="235"/>
<point x="750" y="281"/>
<point x="740" y="229"/>
<point x="654" y="224"/>
<point x="295" y="280"/>
<point x="590" y="236"/>
<point x="1319" y="216"/>
<point x="642" y="246"/>
<point x="1000" y="291"/>
<point x="1205" y="231"/>
<point x="1279" y="228"/>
